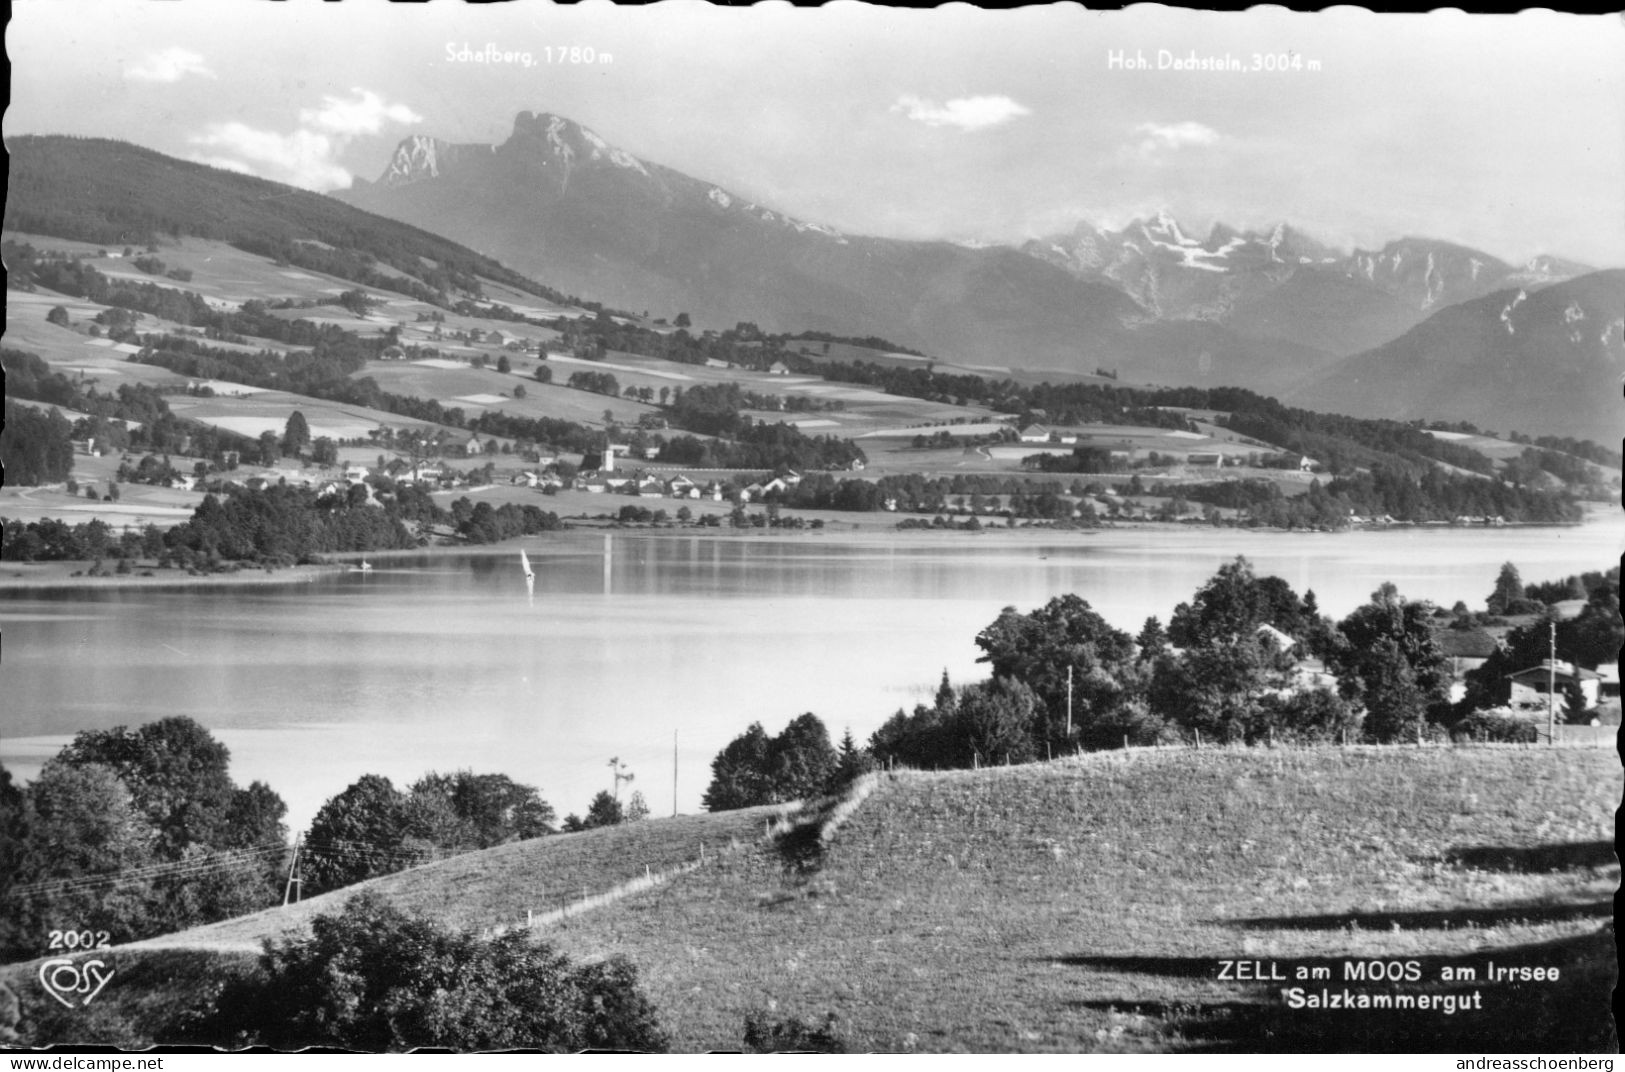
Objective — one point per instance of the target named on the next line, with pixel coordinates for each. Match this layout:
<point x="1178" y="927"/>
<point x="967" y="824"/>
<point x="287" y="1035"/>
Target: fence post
<point x="1198" y="738"/>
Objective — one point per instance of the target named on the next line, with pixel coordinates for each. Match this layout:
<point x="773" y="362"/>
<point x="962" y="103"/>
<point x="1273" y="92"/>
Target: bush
<point x="373" y="978"/>
<point x="1484" y="726"/>
<point x="791" y="1035"/>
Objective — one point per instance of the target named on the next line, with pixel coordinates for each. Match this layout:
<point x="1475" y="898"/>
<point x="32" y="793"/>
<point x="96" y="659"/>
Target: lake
<point x="442" y="661"/>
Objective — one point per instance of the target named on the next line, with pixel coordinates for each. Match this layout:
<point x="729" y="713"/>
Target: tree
<point x="755" y="769"/>
<point x="604" y="810"/>
<point x="1387" y="616"/>
<point x="1234" y="603"/>
<point x="357" y="835"/>
<point x="1220" y="687"/>
<point x="637" y="809"/>
<point x="503" y="364"/>
<point x="58" y="316"/>
<point x="801" y="759"/>
<point x="78" y="821"/>
<point x="1575" y="706"/>
<point x="1152" y="641"/>
<point x="176" y="774"/>
<point x="1039" y="649"/>
<point x="543" y="373"/>
<point x="474" y="811"/>
<point x="739" y="776"/>
<point x="35" y="448"/>
<point x="1395" y="707"/>
<point x="851" y="763"/>
<point x="370" y="977"/>
<point x="1508" y="589"/>
<point x="324" y="451"/>
<point x="997" y="722"/>
<point x="682" y="321"/>
<point x="295" y="435"/>
<point x="266" y="448"/>
<point x="518" y="391"/>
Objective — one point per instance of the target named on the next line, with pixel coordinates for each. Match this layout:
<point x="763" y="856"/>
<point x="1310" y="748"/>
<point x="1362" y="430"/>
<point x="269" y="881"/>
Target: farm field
<point x="1088" y="904"/>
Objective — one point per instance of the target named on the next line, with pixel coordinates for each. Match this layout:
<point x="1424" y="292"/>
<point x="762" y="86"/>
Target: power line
<point x="148" y="872"/>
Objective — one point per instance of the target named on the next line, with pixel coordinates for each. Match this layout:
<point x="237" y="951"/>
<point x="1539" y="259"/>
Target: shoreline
<point x="58" y="575"/>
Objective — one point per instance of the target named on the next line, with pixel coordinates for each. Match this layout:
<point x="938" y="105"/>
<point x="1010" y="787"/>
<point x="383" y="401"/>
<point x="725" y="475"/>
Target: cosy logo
<point x="70" y="983"/>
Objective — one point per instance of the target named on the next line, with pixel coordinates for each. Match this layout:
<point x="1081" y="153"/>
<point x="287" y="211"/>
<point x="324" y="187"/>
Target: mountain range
<point x="1275" y="310"/>
<point x="1546" y="360"/>
<point x="1418" y="329"/>
<point x="557" y="201"/>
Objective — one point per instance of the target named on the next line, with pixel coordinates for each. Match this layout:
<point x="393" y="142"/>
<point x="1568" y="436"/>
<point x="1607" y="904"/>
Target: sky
<point x="1505" y="133"/>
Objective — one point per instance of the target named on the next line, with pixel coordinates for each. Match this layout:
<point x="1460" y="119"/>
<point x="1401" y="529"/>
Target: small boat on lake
<point x="524" y="563"/>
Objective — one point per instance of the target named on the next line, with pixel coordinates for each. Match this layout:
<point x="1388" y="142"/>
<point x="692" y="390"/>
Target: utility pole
<point x="295" y="883"/>
<point x="674" y="774"/>
<point x="1551" y="690"/>
<point x="616" y="766"/>
<point x="1069" y="701"/>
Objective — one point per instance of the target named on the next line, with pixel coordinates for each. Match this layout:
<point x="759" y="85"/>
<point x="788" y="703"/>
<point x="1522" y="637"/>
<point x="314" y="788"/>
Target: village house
<point x="1034" y="433"/>
<point x="1466" y="649"/>
<point x="357" y="473"/>
<point x="1530" y="687"/>
<point x="778" y="368"/>
<point x="681" y="487"/>
<point x="1608" y="682"/>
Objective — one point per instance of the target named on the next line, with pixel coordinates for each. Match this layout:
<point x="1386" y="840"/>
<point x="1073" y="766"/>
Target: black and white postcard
<point x="689" y="528"/>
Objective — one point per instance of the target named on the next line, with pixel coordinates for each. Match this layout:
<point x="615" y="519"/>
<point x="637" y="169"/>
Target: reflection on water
<point x="442" y="660"/>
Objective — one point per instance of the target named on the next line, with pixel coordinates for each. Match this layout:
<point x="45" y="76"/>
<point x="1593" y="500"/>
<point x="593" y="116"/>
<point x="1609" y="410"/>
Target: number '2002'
<point x="79" y="940"/>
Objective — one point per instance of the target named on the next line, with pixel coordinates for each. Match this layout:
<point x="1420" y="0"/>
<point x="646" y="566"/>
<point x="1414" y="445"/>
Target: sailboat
<point x="365" y="567"/>
<point x="530" y="576"/>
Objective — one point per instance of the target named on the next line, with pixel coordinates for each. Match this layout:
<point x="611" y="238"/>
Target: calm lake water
<point x="443" y="661"/>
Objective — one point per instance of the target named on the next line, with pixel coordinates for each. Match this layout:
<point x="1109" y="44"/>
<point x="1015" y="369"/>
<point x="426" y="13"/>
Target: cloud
<point x="170" y="65"/>
<point x="366" y="114"/>
<point x="307" y="157"/>
<point x="966" y="113"/>
<point x="1157" y="139"/>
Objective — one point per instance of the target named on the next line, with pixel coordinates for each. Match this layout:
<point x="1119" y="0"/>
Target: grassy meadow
<point x="1081" y="905"/>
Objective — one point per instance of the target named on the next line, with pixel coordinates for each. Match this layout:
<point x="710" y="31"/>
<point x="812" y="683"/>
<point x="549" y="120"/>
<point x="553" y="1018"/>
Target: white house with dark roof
<point x="1530" y="687"/>
<point x="1034" y="433"/>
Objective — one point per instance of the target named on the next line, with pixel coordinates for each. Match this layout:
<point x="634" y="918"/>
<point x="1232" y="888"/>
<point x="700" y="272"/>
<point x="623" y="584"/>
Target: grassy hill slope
<point x="113" y="193"/>
<point x="1081" y="905"/>
<point x="1084" y="905"/>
